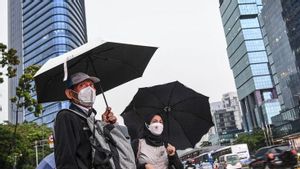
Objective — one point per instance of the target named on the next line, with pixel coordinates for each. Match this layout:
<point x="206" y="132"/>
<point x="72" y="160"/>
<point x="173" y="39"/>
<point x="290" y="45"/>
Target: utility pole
<point x="15" y="162"/>
<point x="36" y="153"/>
<point x="270" y="134"/>
<point x="16" y="156"/>
<point x="37" y="144"/>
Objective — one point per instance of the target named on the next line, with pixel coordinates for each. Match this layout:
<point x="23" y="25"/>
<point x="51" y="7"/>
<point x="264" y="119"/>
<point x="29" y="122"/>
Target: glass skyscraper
<point x="282" y="25"/>
<point x="49" y="29"/>
<point x="249" y="61"/>
<point x="281" y="20"/>
<point x="15" y="41"/>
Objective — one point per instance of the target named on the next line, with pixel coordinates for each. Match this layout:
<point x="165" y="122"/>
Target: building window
<point x="263" y="82"/>
<point x="255" y="45"/>
<point x="248" y="9"/>
<point x="260" y="69"/>
<point x="250" y="23"/>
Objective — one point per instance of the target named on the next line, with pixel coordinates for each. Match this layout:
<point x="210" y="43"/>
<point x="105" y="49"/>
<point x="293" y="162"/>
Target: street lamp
<point x="16" y="158"/>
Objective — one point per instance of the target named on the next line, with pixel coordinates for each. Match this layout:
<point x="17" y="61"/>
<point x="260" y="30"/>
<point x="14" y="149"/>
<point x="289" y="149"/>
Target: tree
<point x="254" y="140"/>
<point x="10" y="60"/>
<point x="24" y="99"/>
<point x="205" y="144"/>
<point x="24" y="152"/>
<point x="25" y="89"/>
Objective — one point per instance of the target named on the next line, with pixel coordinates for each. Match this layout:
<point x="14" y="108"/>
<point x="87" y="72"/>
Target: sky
<point x="189" y="34"/>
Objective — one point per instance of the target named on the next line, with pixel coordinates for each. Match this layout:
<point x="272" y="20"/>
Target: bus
<point x="190" y="154"/>
<point x="239" y="149"/>
<point x="204" y="160"/>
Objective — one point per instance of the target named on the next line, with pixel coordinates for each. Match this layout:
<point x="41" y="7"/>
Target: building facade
<point x="49" y="29"/>
<point x="227" y="118"/>
<point x="249" y="61"/>
<point x="15" y="41"/>
<point x="280" y="21"/>
<point x="212" y="135"/>
<point x="281" y="24"/>
<point x="228" y="121"/>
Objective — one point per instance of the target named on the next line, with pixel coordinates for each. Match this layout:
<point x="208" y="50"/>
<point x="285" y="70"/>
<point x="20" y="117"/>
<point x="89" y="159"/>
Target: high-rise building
<point x="228" y="121"/>
<point x="231" y="103"/>
<point x="46" y="29"/>
<point x="212" y="135"/>
<point x="227" y="118"/>
<point x="282" y="26"/>
<point x="249" y="61"/>
<point x="15" y="41"/>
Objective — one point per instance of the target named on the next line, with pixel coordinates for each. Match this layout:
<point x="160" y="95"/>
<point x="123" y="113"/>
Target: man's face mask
<point x="156" y="128"/>
<point x="87" y="96"/>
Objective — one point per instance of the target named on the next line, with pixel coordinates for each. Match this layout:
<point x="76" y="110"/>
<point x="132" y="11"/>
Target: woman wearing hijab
<point x="151" y="151"/>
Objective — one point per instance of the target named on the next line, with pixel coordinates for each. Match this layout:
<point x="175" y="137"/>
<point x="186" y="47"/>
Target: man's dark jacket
<point x="72" y="147"/>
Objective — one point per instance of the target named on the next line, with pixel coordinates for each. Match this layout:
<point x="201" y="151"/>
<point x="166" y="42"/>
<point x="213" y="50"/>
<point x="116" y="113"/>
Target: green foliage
<point x="205" y="144"/>
<point x="25" y="90"/>
<point x="24" y="151"/>
<point x="254" y="140"/>
<point x="10" y="60"/>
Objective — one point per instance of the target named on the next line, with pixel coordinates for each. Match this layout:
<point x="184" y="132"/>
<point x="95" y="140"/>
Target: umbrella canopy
<point x="47" y="163"/>
<point x="113" y="63"/>
<point x="186" y="113"/>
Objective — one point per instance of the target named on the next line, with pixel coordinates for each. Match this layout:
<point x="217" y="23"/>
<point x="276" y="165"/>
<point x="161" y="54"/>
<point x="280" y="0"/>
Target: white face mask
<point x="87" y="96"/>
<point x="156" y="128"/>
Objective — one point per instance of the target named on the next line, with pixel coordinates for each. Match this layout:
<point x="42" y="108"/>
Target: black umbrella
<point x="113" y="63"/>
<point x="186" y="113"/>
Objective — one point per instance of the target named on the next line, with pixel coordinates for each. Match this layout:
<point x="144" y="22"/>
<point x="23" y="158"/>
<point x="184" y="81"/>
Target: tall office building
<point x="48" y="29"/>
<point x="15" y="41"/>
<point x="249" y="62"/>
<point x="280" y="23"/>
<point x="282" y="26"/>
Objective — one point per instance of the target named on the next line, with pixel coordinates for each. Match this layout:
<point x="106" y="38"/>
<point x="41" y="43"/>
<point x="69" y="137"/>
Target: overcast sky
<point x="189" y="34"/>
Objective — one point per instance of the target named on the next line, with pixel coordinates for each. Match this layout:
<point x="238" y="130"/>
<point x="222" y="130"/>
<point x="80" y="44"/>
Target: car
<point x="229" y="161"/>
<point x="276" y="156"/>
<point x="189" y="164"/>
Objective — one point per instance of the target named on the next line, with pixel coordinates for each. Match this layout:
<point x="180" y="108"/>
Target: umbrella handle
<point x="102" y="92"/>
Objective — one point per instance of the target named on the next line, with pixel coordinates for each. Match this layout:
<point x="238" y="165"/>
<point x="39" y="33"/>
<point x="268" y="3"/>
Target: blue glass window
<point x="263" y="82"/>
<point x="246" y="1"/>
<point x="257" y="57"/>
<point x="255" y="45"/>
<point x="260" y="69"/>
<point x="267" y="95"/>
<point x="252" y="34"/>
<point x="250" y="23"/>
<point x="248" y="9"/>
<point x="271" y="109"/>
<point x="259" y="2"/>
